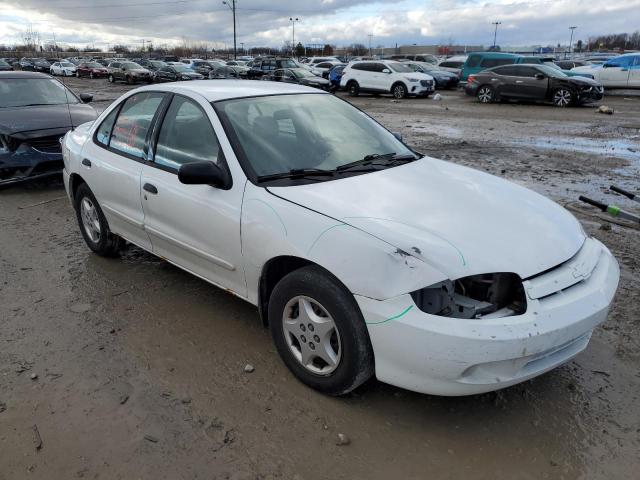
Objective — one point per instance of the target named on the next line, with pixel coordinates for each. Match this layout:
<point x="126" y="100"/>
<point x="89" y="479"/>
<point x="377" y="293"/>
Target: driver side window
<point x="186" y="136"/>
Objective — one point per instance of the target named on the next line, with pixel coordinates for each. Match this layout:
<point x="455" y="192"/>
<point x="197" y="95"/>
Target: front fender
<point x="367" y="266"/>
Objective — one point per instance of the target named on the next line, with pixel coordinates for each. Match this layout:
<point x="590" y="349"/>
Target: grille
<point x="426" y="83"/>
<point x="47" y="144"/>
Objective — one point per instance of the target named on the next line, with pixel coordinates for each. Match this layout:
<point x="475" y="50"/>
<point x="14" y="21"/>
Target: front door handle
<point x="150" y="188"/>
<point x="86" y="162"/>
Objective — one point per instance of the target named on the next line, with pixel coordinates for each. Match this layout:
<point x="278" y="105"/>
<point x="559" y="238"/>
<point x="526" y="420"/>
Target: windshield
<point x="284" y="132"/>
<point x="88" y="65"/>
<point x="21" y="92"/>
<point x="400" y="67"/>
<point x="130" y="66"/>
<point x="182" y="68"/>
<point x="552" y="72"/>
<point x="287" y="64"/>
<point x="301" y="73"/>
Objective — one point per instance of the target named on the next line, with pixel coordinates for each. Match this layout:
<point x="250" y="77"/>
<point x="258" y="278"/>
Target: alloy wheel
<point x="485" y="95"/>
<point x="312" y="335"/>
<point x="90" y="220"/>
<point x="399" y="91"/>
<point x="562" y="98"/>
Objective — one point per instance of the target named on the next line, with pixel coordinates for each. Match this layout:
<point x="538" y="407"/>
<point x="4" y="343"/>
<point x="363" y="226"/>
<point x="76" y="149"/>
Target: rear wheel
<point x="399" y="90"/>
<point x="319" y="331"/>
<point x="486" y="94"/>
<point x="563" y="97"/>
<point x="128" y="80"/>
<point x="93" y="224"/>
<point x="353" y="88"/>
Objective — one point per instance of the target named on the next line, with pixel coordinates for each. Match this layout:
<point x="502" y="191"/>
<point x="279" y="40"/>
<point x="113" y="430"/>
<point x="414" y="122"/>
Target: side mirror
<point x="203" y="173"/>
<point x="386" y="70"/>
<point x="398" y="135"/>
<point x="540" y="76"/>
<point x="86" y="97"/>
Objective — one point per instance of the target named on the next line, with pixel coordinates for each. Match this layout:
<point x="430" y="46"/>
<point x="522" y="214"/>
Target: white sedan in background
<point x="66" y="69"/>
<point x="362" y="256"/>
<point x="618" y="72"/>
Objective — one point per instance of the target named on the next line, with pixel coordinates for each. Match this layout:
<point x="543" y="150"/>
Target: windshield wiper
<point x="373" y="160"/>
<point x="297" y="173"/>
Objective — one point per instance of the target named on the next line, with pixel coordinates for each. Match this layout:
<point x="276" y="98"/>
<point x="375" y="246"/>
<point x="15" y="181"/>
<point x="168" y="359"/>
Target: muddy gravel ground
<point x="130" y="368"/>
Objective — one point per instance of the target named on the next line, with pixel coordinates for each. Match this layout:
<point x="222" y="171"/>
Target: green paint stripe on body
<point x="402" y="314"/>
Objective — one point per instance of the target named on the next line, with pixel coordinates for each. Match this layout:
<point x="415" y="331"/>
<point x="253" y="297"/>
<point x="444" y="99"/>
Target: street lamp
<point x="232" y="5"/>
<point x="293" y="33"/>
<point x="495" y="33"/>
<point x="571" y="41"/>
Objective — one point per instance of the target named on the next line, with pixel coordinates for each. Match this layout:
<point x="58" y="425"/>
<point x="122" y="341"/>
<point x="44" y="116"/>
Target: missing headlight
<point x="490" y="295"/>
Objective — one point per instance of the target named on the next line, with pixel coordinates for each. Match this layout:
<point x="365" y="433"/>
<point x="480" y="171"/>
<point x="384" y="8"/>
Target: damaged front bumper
<point x="452" y="356"/>
<point x="29" y="162"/>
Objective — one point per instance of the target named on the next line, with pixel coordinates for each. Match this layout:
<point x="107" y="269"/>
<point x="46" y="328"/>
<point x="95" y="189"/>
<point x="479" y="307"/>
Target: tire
<point x="399" y="90"/>
<point x="103" y="242"/>
<point x="353" y="88"/>
<point x="486" y="94"/>
<point x="91" y="76"/>
<point x="563" y="97"/>
<point x="77" y="74"/>
<point x="111" y="79"/>
<point x="345" y="343"/>
<point x="127" y="79"/>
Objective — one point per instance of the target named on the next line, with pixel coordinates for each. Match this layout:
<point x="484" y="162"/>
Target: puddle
<point x="625" y="149"/>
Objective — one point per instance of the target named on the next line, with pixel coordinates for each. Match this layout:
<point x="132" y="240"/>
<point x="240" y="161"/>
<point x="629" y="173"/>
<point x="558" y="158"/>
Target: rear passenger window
<point x="103" y="135"/>
<point x="494" y="62"/>
<point x="508" y="71"/>
<point x="377" y="67"/>
<point x="132" y="125"/>
<point x="186" y="136"/>
<point x="357" y="66"/>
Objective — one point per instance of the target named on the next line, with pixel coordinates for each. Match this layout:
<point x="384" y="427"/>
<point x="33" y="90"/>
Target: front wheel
<point x="486" y="94"/>
<point x="93" y="224"/>
<point x="319" y="331"/>
<point x="563" y="97"/>
<point x="399" y="91"/>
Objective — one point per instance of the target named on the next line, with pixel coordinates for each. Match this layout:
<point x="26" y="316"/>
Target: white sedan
<point x="363" y="256"/>
<point x="66" y="69"/>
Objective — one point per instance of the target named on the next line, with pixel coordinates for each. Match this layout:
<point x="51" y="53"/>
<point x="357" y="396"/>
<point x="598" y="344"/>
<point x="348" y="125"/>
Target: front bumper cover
<point x="449" y="356"/>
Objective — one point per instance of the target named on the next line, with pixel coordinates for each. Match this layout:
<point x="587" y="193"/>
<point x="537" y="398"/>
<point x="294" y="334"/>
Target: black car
<point x="41" y="65"/>
<point x="175" y="73"/>
<point x="443" y="78"/>
<point x="228" y="71"/>
<point x="267" y="65"/>
<point x="26" y="64"/>
<point x="152" y="65"/>
<point x="300" y="76"/>
<point x="538" y="83"/>
<point x="36" y="110"/>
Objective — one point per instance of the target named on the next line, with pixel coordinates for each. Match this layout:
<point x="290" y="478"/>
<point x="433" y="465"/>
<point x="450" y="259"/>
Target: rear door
<point x="634" y="72"/>
<point x="112" y="164"/>
<point x="194" y="226"/>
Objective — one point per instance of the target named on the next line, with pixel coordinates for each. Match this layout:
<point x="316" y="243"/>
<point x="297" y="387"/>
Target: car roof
<point x="23" y="74"/>
<point x="229" y="89"/>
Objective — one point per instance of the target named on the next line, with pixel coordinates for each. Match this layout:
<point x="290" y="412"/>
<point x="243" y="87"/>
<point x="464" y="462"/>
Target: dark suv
<point x="537" y="83"/>
<point x="130" y="72"/>
<point x="267" y="65"/>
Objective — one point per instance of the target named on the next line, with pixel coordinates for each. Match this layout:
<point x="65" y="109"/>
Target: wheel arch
<point x="75" y="180"/>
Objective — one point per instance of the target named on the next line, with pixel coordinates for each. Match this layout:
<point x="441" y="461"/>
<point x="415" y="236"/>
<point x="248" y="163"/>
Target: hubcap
<point x="90" y="220"/>
<point x="484" y="95"/>
<point x="562" y="98"/>
<point x="312" y="336"/>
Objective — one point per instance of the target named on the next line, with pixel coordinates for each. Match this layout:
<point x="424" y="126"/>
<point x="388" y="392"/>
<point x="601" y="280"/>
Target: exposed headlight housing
<point x="414" y="79"/>
<point x="490" y="295"/>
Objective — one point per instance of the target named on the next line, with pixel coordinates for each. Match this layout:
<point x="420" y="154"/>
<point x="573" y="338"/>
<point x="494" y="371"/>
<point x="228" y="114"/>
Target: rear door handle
<point x="86" y="162"/>
<point x="150" y="188"/>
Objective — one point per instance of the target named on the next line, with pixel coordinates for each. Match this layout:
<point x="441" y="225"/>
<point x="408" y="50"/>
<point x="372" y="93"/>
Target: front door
<point x="197" y="227"/>
<point x="615" y="72"/>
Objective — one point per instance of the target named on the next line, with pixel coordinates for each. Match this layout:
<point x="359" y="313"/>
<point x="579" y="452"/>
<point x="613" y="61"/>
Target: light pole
<point x="370" y="37"/>
<point x="571" y="41"/>
<point x="293" y="34"/>
<point x="232" y="5"/>
<point x="495" y="33"/>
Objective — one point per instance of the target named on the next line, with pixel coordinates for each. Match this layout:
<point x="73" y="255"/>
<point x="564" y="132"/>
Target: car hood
<point x="418" y="75"/>
<point x="442" y="73"/>
<point x="459" y="220"/>
<point x="583" y="81"/>
<point x="318" y="80"/>
<point x="586" y="68"/>
<point x="15" y="120"/>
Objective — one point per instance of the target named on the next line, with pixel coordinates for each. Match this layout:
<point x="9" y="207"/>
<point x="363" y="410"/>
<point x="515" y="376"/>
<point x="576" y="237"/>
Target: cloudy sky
<point x="339" y="22"/>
